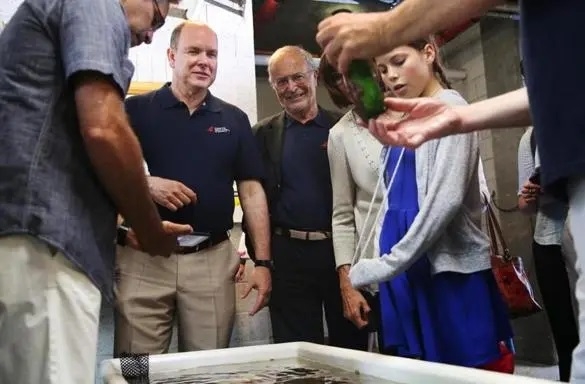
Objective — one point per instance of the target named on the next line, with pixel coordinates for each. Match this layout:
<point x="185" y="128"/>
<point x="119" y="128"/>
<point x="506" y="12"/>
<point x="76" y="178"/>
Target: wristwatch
<point x="122" y="235"/>
<point x="264" y="263"/>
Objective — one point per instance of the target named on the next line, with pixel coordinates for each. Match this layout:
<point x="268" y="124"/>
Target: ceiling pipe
<point x="451" y="74"/>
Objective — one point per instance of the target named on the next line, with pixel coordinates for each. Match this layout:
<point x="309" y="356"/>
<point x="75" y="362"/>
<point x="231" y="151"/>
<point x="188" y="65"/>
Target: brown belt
<point x="213" y="239"/>
<point x="302" y="235"/>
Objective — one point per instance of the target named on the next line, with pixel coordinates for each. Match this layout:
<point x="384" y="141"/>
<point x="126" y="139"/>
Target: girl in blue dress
<point x="438" y="297"/>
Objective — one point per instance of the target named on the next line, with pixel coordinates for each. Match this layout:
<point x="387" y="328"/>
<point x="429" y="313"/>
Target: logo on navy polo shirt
<point x="324" y="145"/>
<point x="217" y="130"/>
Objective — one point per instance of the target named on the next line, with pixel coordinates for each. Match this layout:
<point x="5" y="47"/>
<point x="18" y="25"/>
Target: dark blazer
<point x="269" y="134"/>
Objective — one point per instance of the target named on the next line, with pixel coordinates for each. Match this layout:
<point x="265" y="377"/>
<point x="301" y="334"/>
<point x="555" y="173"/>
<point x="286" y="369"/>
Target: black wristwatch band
<point x="122" y="235"/>
<point x="264" y="263"/>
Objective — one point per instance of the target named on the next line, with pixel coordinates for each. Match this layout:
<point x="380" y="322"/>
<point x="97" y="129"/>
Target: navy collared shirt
<point x="305" y="200"/>
<point x="207" y="151"/>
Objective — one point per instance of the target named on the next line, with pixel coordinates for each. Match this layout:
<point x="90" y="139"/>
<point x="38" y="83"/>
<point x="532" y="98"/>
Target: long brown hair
<point x="438" y="68"/>
<point x="329" y="77"/>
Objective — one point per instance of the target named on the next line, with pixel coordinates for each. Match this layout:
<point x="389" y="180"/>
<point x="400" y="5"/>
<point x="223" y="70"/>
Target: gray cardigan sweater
<point x="448" y="226"/>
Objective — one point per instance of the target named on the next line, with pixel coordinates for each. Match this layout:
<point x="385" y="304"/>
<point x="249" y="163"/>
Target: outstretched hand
<point x="423" y="119"/>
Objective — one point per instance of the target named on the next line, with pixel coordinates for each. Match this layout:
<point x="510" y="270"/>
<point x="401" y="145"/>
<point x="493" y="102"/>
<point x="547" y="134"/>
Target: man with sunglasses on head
<point x="69" y="162"/>
<point x="298" y="187"/>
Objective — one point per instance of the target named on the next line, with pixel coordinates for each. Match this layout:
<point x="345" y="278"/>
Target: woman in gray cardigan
<point x="438" y="297"/>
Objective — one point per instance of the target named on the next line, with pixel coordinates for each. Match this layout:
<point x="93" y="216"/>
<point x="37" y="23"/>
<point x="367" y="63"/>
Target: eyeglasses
<point x="157" y="18"/>
<point x="298" y="78"/>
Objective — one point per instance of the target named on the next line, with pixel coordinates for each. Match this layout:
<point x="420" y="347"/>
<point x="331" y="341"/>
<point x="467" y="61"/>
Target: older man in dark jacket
<point x="298" y="187"/>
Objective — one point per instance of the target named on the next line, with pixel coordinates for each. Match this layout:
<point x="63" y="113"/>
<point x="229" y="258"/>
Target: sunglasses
<point x="157" y="18"/>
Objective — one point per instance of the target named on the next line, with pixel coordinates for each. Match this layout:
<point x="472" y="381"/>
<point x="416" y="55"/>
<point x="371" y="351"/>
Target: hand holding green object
<point x="364" y="88"/>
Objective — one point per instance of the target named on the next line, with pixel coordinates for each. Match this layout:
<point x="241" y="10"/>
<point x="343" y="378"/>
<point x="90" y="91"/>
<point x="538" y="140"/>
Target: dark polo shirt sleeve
<point x="91" y="40"/>
<point x="249" y="164"/>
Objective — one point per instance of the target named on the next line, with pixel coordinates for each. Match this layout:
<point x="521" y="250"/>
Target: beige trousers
<point x="197" y="290"/>
<point x="49" y="316"/>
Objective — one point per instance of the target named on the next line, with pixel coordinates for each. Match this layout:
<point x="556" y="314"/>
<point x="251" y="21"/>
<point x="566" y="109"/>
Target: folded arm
<point x="525" y="170"/>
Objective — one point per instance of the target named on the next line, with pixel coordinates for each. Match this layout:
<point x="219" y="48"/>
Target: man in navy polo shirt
<point x="552" y="100"/>
<point x="298" y="187"/>
<point x="195" y="146"/>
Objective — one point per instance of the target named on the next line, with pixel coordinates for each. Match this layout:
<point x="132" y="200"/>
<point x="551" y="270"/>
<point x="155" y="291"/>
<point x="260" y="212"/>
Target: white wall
<point x="7" y="9"/>
<point x="236" y="80"/>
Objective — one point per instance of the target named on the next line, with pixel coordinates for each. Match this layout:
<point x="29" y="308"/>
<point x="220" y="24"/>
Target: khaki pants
<point x="49" y="315"/>
<point x="197" y="288"/>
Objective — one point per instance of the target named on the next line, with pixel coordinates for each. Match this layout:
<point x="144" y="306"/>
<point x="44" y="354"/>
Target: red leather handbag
<point x="509" y="272"/>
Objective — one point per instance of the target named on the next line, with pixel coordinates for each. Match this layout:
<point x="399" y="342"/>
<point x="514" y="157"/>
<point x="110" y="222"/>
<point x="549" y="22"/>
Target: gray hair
<point x="295" y="50"/>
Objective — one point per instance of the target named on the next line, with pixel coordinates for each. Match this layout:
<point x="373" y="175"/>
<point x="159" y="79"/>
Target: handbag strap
<point x="492" y="235"/>
<point x="495" y="231"/>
